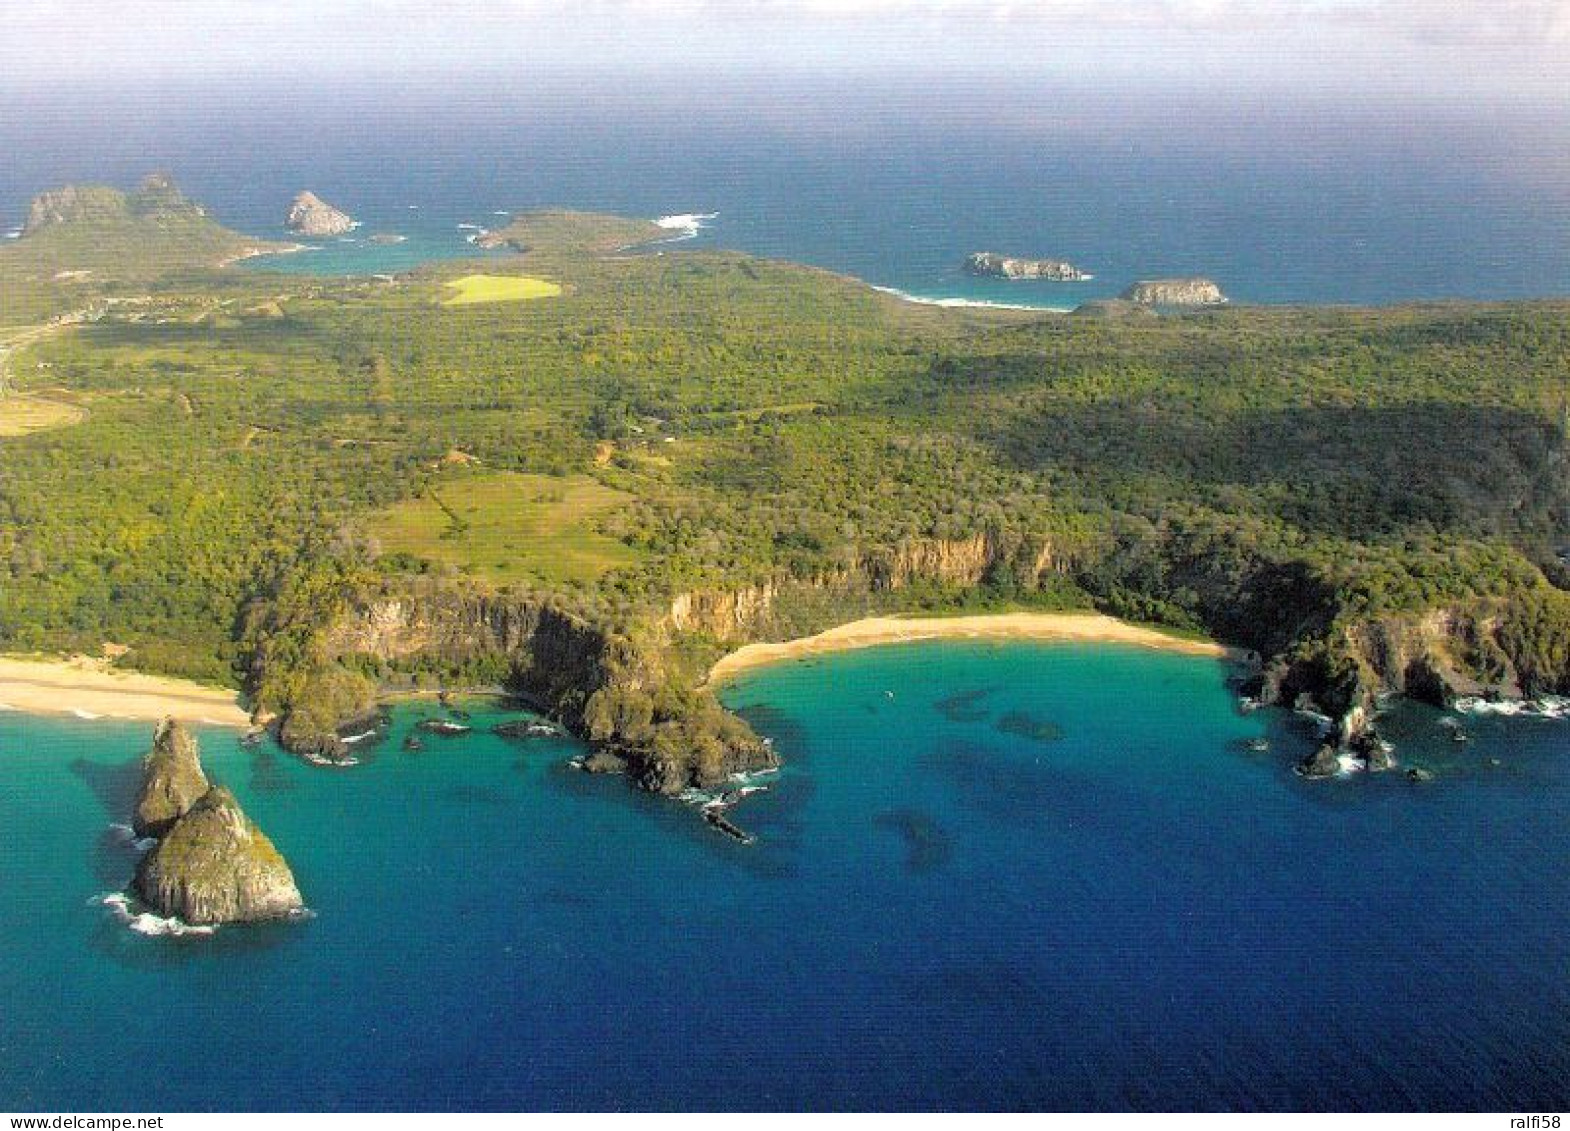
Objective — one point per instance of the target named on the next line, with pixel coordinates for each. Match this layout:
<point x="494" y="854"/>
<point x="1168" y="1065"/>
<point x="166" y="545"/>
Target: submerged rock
<point x="216" y="866"/>
<point x="310" y="215"/>
<point x="172" y="781"/>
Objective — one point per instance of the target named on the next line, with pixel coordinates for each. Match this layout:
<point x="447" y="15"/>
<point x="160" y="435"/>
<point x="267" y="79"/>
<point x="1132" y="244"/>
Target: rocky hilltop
<point x="211" y="864"/>
<point x="156" y="198"/>
<point x="993" y="265"/>
<point x="310" y="215"/>
<point x="1175" y="292"/>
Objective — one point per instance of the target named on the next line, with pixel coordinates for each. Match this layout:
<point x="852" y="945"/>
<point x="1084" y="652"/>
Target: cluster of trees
<point x="1257" y="473"/>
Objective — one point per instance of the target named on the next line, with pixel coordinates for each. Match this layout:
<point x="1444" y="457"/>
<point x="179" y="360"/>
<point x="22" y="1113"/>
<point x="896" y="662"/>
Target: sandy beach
<point x="90" y="688"/>
<point x="1088" y="627"/>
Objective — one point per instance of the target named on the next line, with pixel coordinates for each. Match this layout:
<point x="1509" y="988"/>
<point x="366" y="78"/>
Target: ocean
<point x="896" y="182"/>
<point x="1000" y="876"/>
<point x="989" y="876"/>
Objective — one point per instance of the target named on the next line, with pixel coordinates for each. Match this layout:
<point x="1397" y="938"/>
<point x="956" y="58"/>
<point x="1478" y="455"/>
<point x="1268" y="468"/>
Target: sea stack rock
<point x="993" y="265"/>
<point x="173" y="780"/>
<point x="215" y="866"/>
<point x="1175" y="292"/>
<point x="310" y="215"/>
<point x="211" y="864"/>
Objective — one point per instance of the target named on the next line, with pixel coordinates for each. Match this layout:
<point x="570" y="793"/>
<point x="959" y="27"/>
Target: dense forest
<point x="256" y="452"/>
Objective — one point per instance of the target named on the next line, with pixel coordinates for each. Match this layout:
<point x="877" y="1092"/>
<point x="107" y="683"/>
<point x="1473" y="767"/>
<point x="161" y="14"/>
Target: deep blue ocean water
<point x="1301" y="201"/>
<point x="999" y="876"/>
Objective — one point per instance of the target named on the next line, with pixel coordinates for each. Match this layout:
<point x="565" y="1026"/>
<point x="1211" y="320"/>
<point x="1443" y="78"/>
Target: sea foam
<point x="146" y="923"/>
<point x="686" y="225"/>
<point x="977" y="303"/>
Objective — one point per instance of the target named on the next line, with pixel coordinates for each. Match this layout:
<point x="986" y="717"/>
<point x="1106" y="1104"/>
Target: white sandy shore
<point x="1086" y="627"/>
<point x="90" y="688"/>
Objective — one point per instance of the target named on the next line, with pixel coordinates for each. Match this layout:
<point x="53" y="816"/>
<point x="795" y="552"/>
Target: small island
<point x="994" y="266"/>
<point x="211" y="864"/>
<point x="310" y="215"/>
<point x="1175" y="292"/>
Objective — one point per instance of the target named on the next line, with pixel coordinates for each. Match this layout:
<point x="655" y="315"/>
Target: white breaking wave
<point x="14" y="234"/>
<point x="81" y="714"/>
<point x="979" y="303"/>
<point x="146" y="923"/>
<point x="501" y="212"/>
<point x="1547" y="707"/>
<point x="353" y="738"/>
<point x="687" y="225"/>
<point x="126" y="835"/>
<point x="470" y="228"/>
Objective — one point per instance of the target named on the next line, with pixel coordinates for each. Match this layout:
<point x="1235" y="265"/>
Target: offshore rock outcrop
<point x="172" y="780"/>
<point x="995" y="266"/>
<point x="1175" y="292"/>
<point x="211" y="864"/>
<point x="216" y="866"/>
<point x="310" y="215"/>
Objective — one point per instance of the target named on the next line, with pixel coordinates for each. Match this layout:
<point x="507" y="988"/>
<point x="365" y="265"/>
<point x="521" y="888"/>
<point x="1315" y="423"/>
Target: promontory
<point x="310" y="215"/>
<point x="993" y="265"/>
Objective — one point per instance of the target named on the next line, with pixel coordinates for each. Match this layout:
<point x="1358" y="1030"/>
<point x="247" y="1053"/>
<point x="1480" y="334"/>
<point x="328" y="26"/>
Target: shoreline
<point x="262" y="252"/>
<point x="1089" y="628"/>
<point x="89" y="688"/>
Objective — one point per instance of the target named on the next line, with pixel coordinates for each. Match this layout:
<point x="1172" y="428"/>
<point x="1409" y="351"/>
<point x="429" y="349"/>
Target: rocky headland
<point x="1175" y="292"/>
<point x="995" y="266"/>
<point x="310" y="215"/>
<point x="211" y="864"/>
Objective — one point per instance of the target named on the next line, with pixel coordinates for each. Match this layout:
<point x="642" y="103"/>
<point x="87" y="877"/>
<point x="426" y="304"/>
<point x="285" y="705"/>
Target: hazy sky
<point x="1513" y="47"/>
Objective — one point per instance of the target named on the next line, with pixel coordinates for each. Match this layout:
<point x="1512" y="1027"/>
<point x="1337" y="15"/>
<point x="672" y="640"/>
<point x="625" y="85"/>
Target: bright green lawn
<point x="505" y="526"/>
<point x="473" y="289"/>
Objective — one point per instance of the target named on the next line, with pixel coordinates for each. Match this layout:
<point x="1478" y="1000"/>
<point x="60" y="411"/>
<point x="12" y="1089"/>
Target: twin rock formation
<point x="211" y="864"/>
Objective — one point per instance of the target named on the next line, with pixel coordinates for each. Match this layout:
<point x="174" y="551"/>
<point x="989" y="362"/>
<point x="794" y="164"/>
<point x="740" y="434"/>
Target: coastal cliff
<point x="211" y="864"/>
<point x="993" y="265"/>
<point x="310" y="215"/>
<point x="1175" y="292"/>
<point x="644" y="714"/>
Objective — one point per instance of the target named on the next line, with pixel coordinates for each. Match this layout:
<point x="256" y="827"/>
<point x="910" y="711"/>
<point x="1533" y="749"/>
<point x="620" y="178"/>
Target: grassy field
<point x="475" y="289"/>
<point x="506" y="526"/>
<point x="23" y="413"/>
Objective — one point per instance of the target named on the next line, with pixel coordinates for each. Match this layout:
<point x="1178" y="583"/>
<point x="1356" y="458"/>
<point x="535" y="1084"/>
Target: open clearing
<point x="507" y="526"/>
<point x="475" y="289"/>
<point x="21" y="413"/>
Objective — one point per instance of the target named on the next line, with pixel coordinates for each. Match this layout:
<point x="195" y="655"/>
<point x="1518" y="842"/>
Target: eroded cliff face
<point x="622" y="695"/>
<point x="1491" y="649"/>
<point x="747" y="612"/>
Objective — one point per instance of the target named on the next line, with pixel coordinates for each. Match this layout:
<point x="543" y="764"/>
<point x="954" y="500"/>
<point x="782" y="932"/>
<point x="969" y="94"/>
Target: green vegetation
<point x="21" y="414"/>
<point x="474" y="289"/>
<point x="559" y="231"/>
<point x="507" y="527"/>
<point x="261" y="446"/>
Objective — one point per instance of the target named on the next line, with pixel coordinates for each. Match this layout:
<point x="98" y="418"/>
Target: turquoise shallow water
<point x="991" y="876"/>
